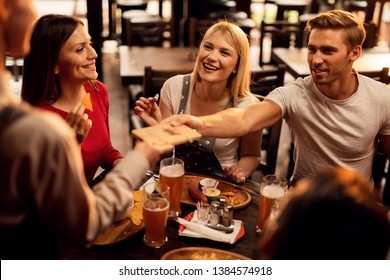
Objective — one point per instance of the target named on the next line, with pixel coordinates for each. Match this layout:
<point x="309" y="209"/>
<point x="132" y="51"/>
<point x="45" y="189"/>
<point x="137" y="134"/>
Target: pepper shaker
<point x="227" y="215"/>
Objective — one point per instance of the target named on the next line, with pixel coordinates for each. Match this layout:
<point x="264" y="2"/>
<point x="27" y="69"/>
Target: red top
<point x="96" y="149"/>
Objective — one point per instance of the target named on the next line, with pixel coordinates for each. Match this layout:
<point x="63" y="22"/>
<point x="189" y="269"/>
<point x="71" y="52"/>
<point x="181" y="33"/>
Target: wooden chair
<point x="154" y="79"/>
<point x="148" y="30"/>
<point x="380" y="76"/>
<point x="153" y="82"/>
<point x="239" y="17"/>
<point x="198" y="27"/>
<point x="381" y="175"/>
<point x="196" y="30"/>
<point x="385" y="75"/>
<point x="284" y="6"/>
<point x="270" y="144"/>
<point x="281" y="35"/>
<point x="263" y="82"/>
<point x="266" y="80"/>
<point x="123" y="5"/>
<point x="355" y="5"/>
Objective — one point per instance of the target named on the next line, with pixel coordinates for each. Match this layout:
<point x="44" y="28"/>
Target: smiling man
<point x="335" y="115"/>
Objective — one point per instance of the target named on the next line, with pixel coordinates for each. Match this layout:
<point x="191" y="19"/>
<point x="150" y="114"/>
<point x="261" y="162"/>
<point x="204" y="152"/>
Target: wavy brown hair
<point x="40" y="84"/>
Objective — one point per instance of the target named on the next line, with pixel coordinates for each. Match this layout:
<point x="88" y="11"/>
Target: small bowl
<point x="211" y="193"/>
<point x="208" y="183"/>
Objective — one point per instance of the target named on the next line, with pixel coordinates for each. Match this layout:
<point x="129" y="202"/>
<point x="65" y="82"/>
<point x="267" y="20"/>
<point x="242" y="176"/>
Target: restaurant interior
<point x="122" y="29"/>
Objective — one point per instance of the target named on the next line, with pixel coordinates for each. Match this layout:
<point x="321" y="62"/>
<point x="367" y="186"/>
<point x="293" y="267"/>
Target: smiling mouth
<point x="210" y="67"/>
<point x="91" y="66"/>
<point x="317" y="71"/>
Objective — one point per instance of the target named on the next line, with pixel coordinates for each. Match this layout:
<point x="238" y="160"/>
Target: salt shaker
<point x="215" y="213"/>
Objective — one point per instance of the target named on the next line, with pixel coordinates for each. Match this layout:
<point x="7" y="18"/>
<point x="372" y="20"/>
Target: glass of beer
<point x="155" y="207"/>
<point x="272" y="189"/>
<point x="172" y="175"/>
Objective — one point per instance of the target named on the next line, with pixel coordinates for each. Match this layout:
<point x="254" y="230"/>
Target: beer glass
<point x="172" y="175"/>
<point x="155" y="207"/>
<point x="272" y="189"/>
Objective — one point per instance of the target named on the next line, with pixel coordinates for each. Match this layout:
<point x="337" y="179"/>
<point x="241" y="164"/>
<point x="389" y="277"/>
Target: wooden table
<point x="133" y="247"/>
<point x="132" y="60"/>
<point x="297" y="65"/>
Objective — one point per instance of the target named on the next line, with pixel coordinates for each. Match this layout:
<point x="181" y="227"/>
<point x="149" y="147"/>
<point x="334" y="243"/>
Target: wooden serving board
<point x="163" y="134"/>
<point x="201" y="253"/>
<point x="118" y="232"/>
<point x="244" y="198"/>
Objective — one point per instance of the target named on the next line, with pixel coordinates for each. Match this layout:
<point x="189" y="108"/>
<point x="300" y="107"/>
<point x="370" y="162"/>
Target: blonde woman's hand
<point x="235" y="174"/>
<point x="148" y="110"/>
<point x="79" y="121"/>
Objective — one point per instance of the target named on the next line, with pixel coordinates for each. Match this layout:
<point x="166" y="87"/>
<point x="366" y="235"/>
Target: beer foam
<point x="273" y="191"/>
<point x="175" y="170"/>
<point x="156" y="204"/>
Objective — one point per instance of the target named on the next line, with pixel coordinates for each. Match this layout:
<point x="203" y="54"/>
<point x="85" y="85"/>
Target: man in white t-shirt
<point x="335" y="115"/>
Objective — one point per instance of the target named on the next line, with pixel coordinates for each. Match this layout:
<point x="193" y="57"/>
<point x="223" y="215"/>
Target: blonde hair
<point x="239" y="82"/>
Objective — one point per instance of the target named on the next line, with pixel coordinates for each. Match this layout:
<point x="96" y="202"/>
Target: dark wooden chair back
<point x="381" y="174"/>
<point x="270" y="144"/>
<point x="266" y="80"/>
<point x="154" y="79"/>
<point x="281" y="35"/>
<point x="385" y="75"/>
<point x="196" y="30"/>
<point x="148" y="31"/>
<point x="380" y="75"/>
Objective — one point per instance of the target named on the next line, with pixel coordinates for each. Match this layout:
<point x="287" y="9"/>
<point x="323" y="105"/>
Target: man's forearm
<point x="224" y="124"/>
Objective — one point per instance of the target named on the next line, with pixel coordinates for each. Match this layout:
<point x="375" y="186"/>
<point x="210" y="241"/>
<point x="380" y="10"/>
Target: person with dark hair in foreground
<point x="332" y="215"/>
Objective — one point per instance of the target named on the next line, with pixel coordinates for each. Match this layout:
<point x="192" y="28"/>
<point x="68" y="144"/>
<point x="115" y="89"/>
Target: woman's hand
<point x="79" y="121"/>
<point x="148" y="110"/>
<point x="235" y="174"/>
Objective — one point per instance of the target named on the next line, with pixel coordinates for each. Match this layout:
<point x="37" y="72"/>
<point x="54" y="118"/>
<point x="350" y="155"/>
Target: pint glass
<point x="272" y="188"/>
<point x="155" y="211"/>
<point x="172" y="175"/>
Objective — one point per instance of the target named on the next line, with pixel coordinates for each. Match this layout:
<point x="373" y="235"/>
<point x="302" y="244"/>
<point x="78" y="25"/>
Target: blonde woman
<point x="219" y="81"/>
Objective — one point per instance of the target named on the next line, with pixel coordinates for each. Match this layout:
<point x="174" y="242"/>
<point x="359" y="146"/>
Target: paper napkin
<point x="191" y="228"/>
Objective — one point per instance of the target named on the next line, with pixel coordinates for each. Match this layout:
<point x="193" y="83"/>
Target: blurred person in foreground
<point x="332" y="215"/>
<point x="220" y="80"/>
<point x="335" y="115"/>
<point x="44" y="196"/>
<point x="66" y="76"/>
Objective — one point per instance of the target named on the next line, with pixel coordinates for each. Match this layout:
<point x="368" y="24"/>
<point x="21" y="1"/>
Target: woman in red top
<point x="60" y="75"/>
